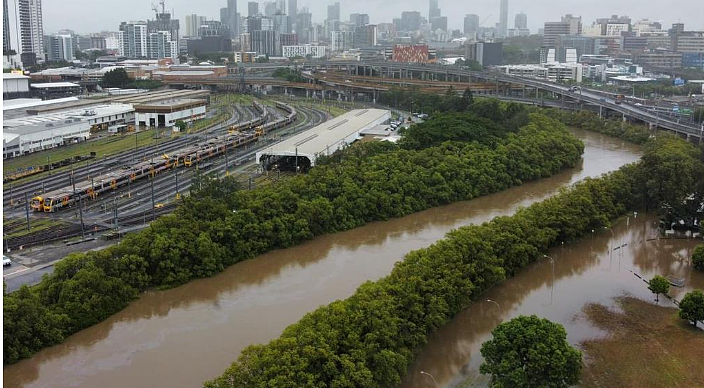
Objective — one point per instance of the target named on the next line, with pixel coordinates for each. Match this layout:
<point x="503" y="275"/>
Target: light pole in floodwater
<point x="497" y="305"/>
<point x="429" y="375"/>
<point x="552" y="282"/>
<point x="611" y="243"/>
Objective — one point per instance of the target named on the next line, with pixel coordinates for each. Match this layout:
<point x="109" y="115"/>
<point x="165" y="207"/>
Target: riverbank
<point x="670" y="350"/>
<point x="254" y="300"/>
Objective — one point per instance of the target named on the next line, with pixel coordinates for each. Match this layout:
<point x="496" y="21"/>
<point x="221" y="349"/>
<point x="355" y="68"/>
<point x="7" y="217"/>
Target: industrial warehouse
<point x="32" y="125"/>
<point x="300" y="152"/>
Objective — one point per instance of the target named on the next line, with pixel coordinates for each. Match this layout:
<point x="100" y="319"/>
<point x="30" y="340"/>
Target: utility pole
<point x="178" y="194"/>
<point x="80" y="207"/>
<point x="153" y="204"/>
<point x="114" y="211"/>
<point x="26" y="209"/>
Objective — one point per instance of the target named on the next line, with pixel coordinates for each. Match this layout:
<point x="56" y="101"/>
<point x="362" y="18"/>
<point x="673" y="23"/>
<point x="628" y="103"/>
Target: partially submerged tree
<point x="658" y="285"/>
<point x="530" y="352"/>
<point x="692" y="307"/>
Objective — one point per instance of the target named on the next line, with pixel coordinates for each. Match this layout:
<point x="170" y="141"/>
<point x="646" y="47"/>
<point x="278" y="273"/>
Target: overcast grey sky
<point x="85" y="16"/>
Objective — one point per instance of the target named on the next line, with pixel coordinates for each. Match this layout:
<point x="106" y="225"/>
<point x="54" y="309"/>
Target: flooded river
<point x="181" y="337"/>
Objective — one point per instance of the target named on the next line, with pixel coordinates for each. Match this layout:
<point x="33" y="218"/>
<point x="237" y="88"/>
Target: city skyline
<point x="67" y="16"/>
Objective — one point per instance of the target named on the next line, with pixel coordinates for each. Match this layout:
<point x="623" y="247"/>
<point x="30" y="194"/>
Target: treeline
<point x="369" y="339"/>
<point x="218" y="225"/>
<point x="634" y="133"/>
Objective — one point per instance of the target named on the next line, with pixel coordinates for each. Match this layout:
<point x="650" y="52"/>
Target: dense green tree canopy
<point x="529" y="352"/>
<point x="116" y="78"/>
<point x="692" y="307"/>
<point x="698" y="258"/>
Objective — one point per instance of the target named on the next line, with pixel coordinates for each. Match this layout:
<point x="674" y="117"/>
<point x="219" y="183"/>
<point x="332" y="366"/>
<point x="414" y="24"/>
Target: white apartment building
<point x="303" y="51"/>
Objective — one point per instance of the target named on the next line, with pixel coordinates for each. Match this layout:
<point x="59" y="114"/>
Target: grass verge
<point x="648" y="346"/>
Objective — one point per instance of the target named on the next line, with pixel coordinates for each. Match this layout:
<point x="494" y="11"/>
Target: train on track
<point x="238" y="135"/>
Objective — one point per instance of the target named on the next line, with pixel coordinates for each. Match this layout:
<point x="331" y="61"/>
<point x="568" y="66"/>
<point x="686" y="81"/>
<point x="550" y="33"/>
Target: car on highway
<point x="6" y="261"/>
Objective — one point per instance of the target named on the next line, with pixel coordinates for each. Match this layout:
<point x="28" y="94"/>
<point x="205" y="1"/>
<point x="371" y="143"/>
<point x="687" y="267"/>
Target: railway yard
<point x="126" y="191"/>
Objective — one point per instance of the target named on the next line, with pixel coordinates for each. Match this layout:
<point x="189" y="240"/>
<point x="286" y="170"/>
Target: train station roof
<point x="328" y="137"/>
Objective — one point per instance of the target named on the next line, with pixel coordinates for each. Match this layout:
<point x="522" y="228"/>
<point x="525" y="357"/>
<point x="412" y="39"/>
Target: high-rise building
<point x="292" y="9"/>
<point x="281" y="6"/>
<point x="359" y="19"/>
<point x="365" y="36"/>
<point x="439" y="22"/>
<point x="133" y="39"/>
<point x="569" y="25"/>
<point x="282" y="24"/>
<point x="213" y="28"/>
<point x="341" y="40"/>
<point x="521" y="21"/>
<point x="232" y="18"/>
<point x="29" y="23"/>
<point x="471" y="23"/>
<point x="160" y="45"/>
<point x="410" y="20"/>
<point x="265" y="42"/>
<point x="434" y="11"/>
<point x="192" y="24"/>
<point x="252" y="8"/>
<point x="269" y="9"/>
<point x="503" y="19"/>
<point x="6" y="45"/>
<point x="575" y="23"/>
<point x="164" y="22"/>
<point x="58" y="47"/>
<point x="334" y="11"/>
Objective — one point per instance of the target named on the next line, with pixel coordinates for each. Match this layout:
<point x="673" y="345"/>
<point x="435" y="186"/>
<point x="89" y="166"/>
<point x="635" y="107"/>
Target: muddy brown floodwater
<point x="181" y="337"/>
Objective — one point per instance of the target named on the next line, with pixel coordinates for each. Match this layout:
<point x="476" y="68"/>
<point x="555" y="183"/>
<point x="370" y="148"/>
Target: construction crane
<point x="485" y="19"/>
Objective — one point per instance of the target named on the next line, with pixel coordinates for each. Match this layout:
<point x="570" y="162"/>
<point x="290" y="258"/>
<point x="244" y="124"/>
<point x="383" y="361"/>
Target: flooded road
<point x="181" y="337"/>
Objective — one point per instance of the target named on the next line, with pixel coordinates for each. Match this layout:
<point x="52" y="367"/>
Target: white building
<point x="14" y="86"/>
<point x="303" y="51"/>
<point x="555" y="72"/>
<point x="59" y="48"/>
<point x="23" y="139"/>
<point x="25" y="29"/>
<point x="160" y="45"/>
<point x="98" y="117"/>
<point x="166" y="113"/>
<point x="341" y="40"/>
<point x="133" y="39"/>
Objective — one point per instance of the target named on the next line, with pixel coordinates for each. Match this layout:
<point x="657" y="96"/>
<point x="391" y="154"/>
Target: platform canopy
<point x="326" y="138"/>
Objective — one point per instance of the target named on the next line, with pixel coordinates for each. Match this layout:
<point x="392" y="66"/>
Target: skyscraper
<point x="252" y="8"/>
<point x="29" y="23"/>
<point x="192" y="24"/>
<point x="503" y="19"/>
<point x="6" y="45"/>
<point x="471" y="23"/>
<point x="521" y="21"/>
<point x="434" y="11"/>
<point x="334" y="11"/>
<point x="292" y="9"/>
<point x="232" y="18"/>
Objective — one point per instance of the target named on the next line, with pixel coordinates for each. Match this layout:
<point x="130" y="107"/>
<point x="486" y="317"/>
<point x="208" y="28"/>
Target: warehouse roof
<point x="87" y="113"/>
<point x="45" y="85"/>
<point x="328" y="137"/>
<point x="13" y="76"/>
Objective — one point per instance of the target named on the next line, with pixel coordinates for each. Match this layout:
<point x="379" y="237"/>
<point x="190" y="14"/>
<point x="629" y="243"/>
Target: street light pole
<point x="429" y="375"/>
<point x="497" y="305"/>
<point x="552" y="282"/>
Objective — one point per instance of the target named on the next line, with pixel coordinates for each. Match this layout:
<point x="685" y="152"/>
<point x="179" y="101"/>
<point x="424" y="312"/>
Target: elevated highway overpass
<point x="373" y="77"/>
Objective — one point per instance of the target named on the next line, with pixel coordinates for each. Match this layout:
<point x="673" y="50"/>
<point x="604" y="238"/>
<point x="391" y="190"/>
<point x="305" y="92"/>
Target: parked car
<point x="6" y="261"/>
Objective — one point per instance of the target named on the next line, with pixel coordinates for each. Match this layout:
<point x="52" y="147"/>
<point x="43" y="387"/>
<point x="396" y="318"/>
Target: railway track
<point x="134" y="203"/>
